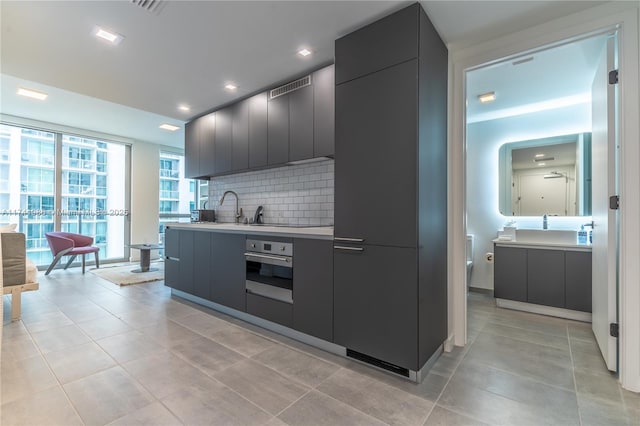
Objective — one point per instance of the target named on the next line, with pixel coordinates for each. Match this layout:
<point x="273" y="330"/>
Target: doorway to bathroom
<point x="540" y="141"/>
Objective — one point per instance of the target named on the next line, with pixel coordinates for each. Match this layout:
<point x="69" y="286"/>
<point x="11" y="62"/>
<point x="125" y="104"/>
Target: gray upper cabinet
<point x="278" y="130"/>
<point x="323" y="82"/>
<point x="301" y="123"/>
<point x="377" y="161"/>
<point x="258" y="130"/>
<point x="240" y="136"/>
<point x="384" y="43"/>
<point x="510" y="273"/>
<point x="206" y="160"/>
<point x="191" y="149"/>
<point x="223" y="140"/>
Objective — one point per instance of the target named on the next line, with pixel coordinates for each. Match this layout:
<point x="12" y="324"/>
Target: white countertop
<point x="319" y="232"/>
<point x="543" y="245"/>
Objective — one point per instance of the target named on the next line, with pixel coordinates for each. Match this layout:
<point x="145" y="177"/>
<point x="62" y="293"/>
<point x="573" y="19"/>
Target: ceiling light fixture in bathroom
<point x="33" y="94"/>
<point x="537" y="159"/>
<point x="487" y="97"/>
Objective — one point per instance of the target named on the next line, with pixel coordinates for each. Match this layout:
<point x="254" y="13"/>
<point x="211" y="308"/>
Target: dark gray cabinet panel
<point x="545" y="277"/>
<point x="207" y="144"/>
<point x="228" y="270"/>
<point x="510" y="273"/>
<point x="172" y="243"/>
<point x="185" y="281"/>
<point x="278" y="130"/>
<point x="201" y="263"/>
<point x="240" y="136"/>
<point x="375" y="303"/>
<point x="172" y="273"/>
<point x="313" y="288"/>
<point x="387" y="42"/>
<point x="301" y="123"/>
<point x="578" y="280"/>
<point x="269" y="309"/>
<point x="323" y="112"/>
<point x="258" y="130"/>
<point x="191" y="150"/>
<point x="376" y="131"/>
<point x="224" y="141"/>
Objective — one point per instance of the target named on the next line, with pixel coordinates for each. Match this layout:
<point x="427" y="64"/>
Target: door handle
<point x="349" y="240"/>
<point x="348" y="248"/>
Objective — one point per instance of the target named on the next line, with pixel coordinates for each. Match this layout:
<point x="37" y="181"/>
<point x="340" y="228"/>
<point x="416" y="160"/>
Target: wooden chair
<point x="68" y="244"/>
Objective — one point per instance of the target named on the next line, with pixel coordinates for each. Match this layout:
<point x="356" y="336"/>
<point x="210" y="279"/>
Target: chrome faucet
<point x="238" y="212"/>
<point x="544" y="222"/>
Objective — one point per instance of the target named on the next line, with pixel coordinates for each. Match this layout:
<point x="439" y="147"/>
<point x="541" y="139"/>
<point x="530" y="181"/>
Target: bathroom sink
<point x="550" y="236"/>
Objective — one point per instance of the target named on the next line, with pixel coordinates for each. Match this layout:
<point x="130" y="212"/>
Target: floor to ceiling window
<point x="53" y="181"/>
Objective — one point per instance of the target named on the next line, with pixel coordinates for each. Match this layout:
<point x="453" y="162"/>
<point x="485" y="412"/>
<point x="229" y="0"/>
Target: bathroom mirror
<point x="546" y="176"/>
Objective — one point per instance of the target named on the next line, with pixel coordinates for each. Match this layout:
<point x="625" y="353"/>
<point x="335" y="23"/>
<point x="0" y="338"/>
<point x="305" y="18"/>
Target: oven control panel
<point x="271" y="247"/>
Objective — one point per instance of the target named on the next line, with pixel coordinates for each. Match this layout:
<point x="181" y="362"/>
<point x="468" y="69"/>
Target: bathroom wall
<point x="483" y="143"/>
<point x="291" y="195"/>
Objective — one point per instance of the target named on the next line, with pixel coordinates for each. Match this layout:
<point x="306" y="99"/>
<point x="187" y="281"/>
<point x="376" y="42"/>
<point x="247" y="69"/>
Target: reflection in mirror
<point x="549" y="176"/>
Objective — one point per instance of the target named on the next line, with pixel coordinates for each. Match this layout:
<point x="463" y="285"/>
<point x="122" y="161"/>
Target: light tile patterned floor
<point x="90" y="352"/>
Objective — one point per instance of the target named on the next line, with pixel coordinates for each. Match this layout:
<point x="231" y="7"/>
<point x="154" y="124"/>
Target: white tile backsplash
<point x="291" y="195"/>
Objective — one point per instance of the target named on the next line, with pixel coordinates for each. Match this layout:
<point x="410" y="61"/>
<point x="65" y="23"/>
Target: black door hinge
<point x="614" y="202"/>
<point x="613" y="77"/>
<point x="613" y="329"/>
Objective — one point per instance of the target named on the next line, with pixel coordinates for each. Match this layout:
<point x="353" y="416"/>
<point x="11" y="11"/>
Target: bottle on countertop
<point x="582" y="235"/>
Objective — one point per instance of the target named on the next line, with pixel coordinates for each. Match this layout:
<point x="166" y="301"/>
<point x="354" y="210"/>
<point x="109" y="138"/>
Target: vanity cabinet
<point x="558" y="278"/>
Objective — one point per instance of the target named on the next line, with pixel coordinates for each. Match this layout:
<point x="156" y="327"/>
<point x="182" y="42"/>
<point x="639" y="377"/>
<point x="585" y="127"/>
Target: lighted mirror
<point x="549" y="176"/>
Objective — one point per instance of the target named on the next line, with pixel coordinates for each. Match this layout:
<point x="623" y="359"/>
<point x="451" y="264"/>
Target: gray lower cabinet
<point x="270" y="309"/>
<point x="375" y="303"/>
<point x="578" y="280"/>
<point x="545" y="277"/>
<point x="201" y="263"/>
<point x="313" y="288"/>
<point x="227" y="271"/>
<point x="510" y="273"/>
<point x="186" y="264"/>
<point x="557" y="278"/>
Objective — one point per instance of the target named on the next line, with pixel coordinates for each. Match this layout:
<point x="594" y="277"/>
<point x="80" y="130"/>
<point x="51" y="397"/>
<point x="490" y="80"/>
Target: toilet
<point x="469" y="252"/>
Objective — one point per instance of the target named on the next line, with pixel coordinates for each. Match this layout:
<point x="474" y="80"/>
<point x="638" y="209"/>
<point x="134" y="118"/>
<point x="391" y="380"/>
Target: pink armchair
<point x="68" y="244"/>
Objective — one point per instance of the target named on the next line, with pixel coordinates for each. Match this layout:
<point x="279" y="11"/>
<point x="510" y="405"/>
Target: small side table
<point x="145" y="256"/>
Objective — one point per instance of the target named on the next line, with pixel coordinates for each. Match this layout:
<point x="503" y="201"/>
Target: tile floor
<point x="90" y="352"/>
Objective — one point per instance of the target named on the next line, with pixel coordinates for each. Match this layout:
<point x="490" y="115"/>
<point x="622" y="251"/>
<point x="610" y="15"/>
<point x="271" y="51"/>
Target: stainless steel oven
<point x="270" y="269"/>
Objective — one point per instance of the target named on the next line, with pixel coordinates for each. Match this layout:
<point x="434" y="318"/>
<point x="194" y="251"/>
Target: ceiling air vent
<point x="290" y="87"/>
<point x="154" y="6"/>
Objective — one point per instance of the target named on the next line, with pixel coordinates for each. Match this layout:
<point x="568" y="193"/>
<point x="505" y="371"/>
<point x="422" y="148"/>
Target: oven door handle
<point x="266" y="256"/>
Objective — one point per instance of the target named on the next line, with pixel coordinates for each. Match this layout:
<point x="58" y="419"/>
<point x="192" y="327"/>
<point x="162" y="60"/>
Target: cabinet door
<point x="185" y="281"/>
<point x="545" y="277"/>
<point x="228" y="270"/>
<point x="301" y="123"/>
<point x="386" y="42"/>
<point x="240" y="136"/>
<point x="313" y="288"/>
<point x="172" y="273"/>
<point x="191" y="150"/>
<point x="258" y="131"/>
<point x="207" y="144"/>
<point x="510" y="273"/>
<point x="201" y="264"/>
<point x="323" y="112"/>
<point x="172" y="243"/>
<point x="376" y="148"/>
<point x="278" y="130"/>
<point x="375" y="303"/>
<point x="223" y="142"/>
<point x="577" y="275"/>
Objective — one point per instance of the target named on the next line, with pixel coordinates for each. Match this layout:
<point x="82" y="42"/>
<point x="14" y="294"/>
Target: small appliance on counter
<point x="203" y="216"/>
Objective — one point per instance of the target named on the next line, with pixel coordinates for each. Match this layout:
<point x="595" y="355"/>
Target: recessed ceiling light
<point x="169" y="127"/>
<point x="542" y="164"/>
<point x="30" y="93"/>
<point x="110" y="36"/>
<point x="183" y="107"/>
<point x="304" y="52"/>
<point x="487" y="97"/>
<point x="230" y="87"/>
<point x="539" y="155"/>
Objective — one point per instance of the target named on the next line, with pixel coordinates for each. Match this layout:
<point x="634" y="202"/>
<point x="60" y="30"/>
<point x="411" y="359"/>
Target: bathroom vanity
<point x="545" y="273"/>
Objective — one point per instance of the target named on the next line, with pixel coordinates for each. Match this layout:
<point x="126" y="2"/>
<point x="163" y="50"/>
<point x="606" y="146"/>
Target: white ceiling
<point x="187" y="51"/>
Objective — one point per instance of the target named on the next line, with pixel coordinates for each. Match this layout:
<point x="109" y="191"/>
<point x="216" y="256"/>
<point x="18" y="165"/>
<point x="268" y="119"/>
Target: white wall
<point x="484" y="140"/>
<point x="145" y="187"/>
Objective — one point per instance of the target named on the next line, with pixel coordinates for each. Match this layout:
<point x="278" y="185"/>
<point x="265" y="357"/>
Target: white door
<point x="539" y="196"/>
<point x="604" y="295"/>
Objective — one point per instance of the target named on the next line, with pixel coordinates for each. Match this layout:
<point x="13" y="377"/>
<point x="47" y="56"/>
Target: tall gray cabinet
<point x="390" y="246"/>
